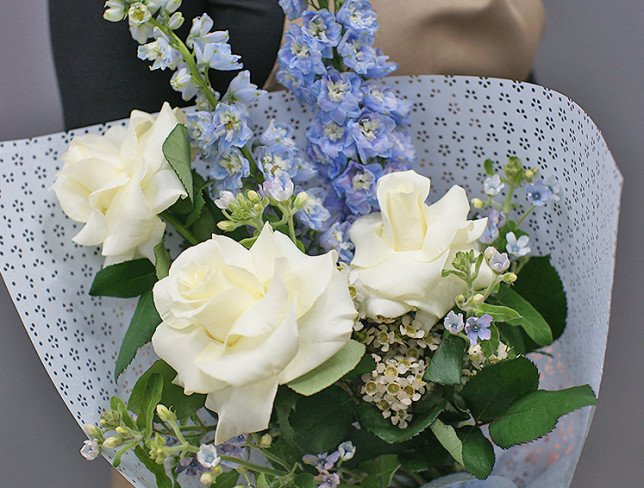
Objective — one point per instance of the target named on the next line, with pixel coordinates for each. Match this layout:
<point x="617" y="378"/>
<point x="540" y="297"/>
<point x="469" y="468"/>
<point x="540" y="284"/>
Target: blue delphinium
<point x="229" y="168"/>
<point x="340" y="96"/>
<point x="358" y="54"/>
<point x="294" y="8"/>
<point x="336" y="238"/>
<point x="357" y="185"/>
<point x="322" y="29"/>
<point x="312" y="211"/>
<point x="242" y="91"/>
<point x="372" y="134"/>
<point x="358" y="17"/>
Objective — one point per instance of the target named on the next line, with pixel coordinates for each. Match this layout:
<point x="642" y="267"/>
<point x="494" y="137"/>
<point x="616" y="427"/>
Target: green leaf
<point x="172" y="397"/>
<point x="226" y="480"/>
<point x="430" y="456"/>
<point x="142" y="326"/>
<point x="151" y="398"/>
<point x="488" y="166"/>
<point x="496" y="387"/>
<point x="331" y="371"/>
<point x="176" y="150"/>
<point x="540" y="284"/>
<point x="117" y="404"/>
<point x="158" y="470"/>
<point x="478" y="453"/>
<point x="535" y="414"/>
<point x="371" y="419"/>
<point x="446" y="364"/>
<point x="532" y="322"/>
<point x="305" y="480"/>
<point x="498" y="313"/>
<point x="380" y="471"/>
<point x="366" y="365"/>
<point x="124" y="280"/>
<point x="446" y="435"/>
<point x="163" y="261"/>
<point x="321" y="422"/>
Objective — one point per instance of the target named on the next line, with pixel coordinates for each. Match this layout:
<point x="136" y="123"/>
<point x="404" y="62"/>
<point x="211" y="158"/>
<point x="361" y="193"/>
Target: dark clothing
<point x="101" y="79"/>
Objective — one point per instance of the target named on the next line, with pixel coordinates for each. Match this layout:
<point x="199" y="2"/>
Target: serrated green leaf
<point x="124" y="280"/>
<point x="163" y="261"/>
<point x="172" y="397"/>
<point x="478" y="453"/>
<point x="331" y="371"/>
<point x="158" y="470"/>
<point x="531" y="321"/>
<point x="447" y="363"/>
<point x="321" y="422"/>
<point x="142" y="326"/>
<point x="488" y="166"/>
<point x="176" y="149"/>
<point x="226" y="480"/>
<point x="548" y="297"/>
<point x="534" y="415"/>
<point x="496" y="387"/>
<point x="446" y="435"/>
<point x="151" y="398"/>
<point x="371" y="419"/>
<point x="498" y="312"/>
<point x="380" y="471"/>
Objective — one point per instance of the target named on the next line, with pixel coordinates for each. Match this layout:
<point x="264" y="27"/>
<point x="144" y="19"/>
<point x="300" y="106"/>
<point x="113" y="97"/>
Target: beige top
<point x="469" y="37"/>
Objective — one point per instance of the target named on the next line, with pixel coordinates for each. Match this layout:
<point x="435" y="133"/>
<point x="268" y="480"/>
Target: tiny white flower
<point x="493" y="185"/>
<point x="517" y="247"/>
<point x="225" y="200"/>
<point x="207" y="456"/>
<point x="90" y="450"/>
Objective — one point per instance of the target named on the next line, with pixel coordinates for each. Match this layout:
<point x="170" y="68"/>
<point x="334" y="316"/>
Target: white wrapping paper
<point x="457" y="122"/>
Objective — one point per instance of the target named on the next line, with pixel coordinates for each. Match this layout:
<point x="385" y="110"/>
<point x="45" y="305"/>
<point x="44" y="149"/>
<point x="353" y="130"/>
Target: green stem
<point x="525" y="215"/>
<point x="251" y="466"/>
<point x="180" y="228"/>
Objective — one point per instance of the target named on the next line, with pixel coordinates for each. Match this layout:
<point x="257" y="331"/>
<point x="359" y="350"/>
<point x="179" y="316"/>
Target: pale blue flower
<point x="499" y="262"/>
<point x="497" y="218"/>
<point x="301" y="85"/>
<point x="333" y="144"/>
<point x="493" y="185"/>
<point x="359" y="55"/>
<point x="90" y="450"/>
<point x="200" y="33"/>
<point x="272" y="162"/>
<point x="371" y="133"/>
<point x="279" y="136"/>
<point x="225" y="200"/>
<point x="207" y="456"/>
<point x="322" y="462"/>
<point x="403" y="151"/>
<point x="312" y="212"/>
<point x="217" y="56"/>
<point x="478" y="328"/>
<point x="229" y="168"/>
<point x="190" y="466"/>
<point x="517" y="247"/>
<point x="299" y="54"/>
<point x="231" y="127"/>
<point x="358" y="16"/>
<point x="383" y="100"/>
<point x="340" y="96"/>
<point x="160" y="52"/>
<point x="538" y="193"/>
<point x="453" y="323"/>
<point x="242" y="90"/>
<point x="347" y="450"/>
<point x="183" y="82"/>
<point x="357" y="185"/>
<point x="336" y="238"/>
<point x="279" y="188"/>
<point x="294" y="8"/>
<point x="321" y="28"/>
<point x="327" y="480"/>
<point x="490" y="234"/>
<point x="554" y="187"/>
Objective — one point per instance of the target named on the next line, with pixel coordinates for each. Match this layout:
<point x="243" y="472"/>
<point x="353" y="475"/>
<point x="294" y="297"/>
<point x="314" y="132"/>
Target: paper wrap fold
<point x="456" y="123"/>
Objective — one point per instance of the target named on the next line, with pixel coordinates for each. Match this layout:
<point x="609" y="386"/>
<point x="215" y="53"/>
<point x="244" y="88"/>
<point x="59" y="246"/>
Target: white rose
<point x="401" y="252"/>
<point x="117" y="184"/>
<point x="237" y="323"/>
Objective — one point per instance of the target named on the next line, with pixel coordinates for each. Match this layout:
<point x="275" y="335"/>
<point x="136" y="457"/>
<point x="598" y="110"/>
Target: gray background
<point x="593" y="52"/>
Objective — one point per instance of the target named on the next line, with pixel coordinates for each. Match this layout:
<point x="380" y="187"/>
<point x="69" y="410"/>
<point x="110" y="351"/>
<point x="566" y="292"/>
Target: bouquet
<point x="304" y="317"/>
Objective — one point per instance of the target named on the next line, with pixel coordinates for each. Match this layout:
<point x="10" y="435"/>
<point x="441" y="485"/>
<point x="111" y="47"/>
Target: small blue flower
<point x="336" y="238"/>
<point x="299" y="55"/>
<point x="497" y="218"/>
<point x="347" y="450"/>
<point x="280" y="188"/>
<point x="321" y="29"/>
<point x="279" y="136"/>
<point x="190" y="466"/>
<point x="517" y="247"/>
<point x="478" y="328"/>
<point x="332" y="143"/>
<point x="229" y="168"/>
<point x="357" y="185"/>
<point x="272" y="162"/>
<point x="385" y="101"/>
<point x="183" y="83"/>
<point x="327" y="480"/>
<point x="242" y="90"/>
<point x="538" y="193"/>
<point x="301" y="85"/>
<point x="372" y="134"/>
<point x="403" y="151"/>
<point x="358" y="16"/>
<point x="493" y="185"/>
<point x="312" y="212"/>
<point x="499" y="262"/>
<point x="359" y="55"/>
<point x="340" y="96"/>
<point x="207" y="456"/>
<point x="322" y="462"/>
<point x="453" y="323"/>
<point x="217" y="56"/>
<point x="231" y="127"/>
<point x="294" y="8"/>
<point x="490" y="234"/>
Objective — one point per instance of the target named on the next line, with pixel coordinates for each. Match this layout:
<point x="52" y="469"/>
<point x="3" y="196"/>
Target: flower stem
<point x="525" y="215"/>
<point x="251" y="466"/>
<point x="180" y="228"/>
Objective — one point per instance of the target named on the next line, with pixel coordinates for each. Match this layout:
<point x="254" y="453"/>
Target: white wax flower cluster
<point x="402" y="251"/>
<point x="238" y="323"/>
<point x="118" y="183"/>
